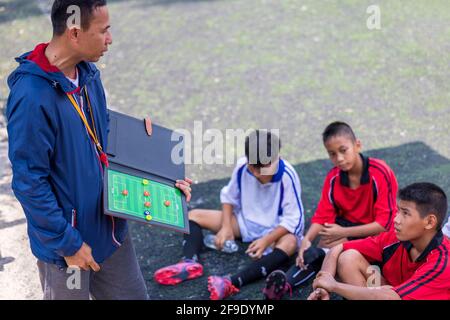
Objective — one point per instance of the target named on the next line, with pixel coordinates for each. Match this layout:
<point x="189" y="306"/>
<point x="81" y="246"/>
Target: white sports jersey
<point x="446" y="228"/>
<point x="260" y="208"/>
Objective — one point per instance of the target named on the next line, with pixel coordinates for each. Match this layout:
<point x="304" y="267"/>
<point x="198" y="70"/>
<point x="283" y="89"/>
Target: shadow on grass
<point x="18" y="9"/>
<point x="162" y="2"/>
<point x="22" y="9"/>
<point x="156" y="247"/>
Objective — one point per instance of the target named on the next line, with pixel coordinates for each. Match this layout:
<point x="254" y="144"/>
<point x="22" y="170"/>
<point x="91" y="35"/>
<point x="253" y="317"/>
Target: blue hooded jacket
<point x="57" y="174"/>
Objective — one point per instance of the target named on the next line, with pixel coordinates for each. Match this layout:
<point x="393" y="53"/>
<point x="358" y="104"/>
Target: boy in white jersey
<point x="446" y="229"/>
<point x="261" y="204"/>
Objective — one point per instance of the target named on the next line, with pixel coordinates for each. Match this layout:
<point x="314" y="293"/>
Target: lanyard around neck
<point x="92" y="133"/>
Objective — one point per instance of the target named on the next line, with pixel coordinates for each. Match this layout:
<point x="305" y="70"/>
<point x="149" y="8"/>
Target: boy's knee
<point x="194" y="215"/>
<point x="288" y="244"/>
<point x="348" y="259"/>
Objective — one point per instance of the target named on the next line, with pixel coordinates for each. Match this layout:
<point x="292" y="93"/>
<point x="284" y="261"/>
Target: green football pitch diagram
<point x="144" y="199"/>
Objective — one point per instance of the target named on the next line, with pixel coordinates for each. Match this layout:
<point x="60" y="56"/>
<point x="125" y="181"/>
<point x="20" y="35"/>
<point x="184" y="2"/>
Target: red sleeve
<point x="431" y="281"/>
<point x="386" y="183"/>
<point x="371" y="248"/>
<point x="325" y="212"/>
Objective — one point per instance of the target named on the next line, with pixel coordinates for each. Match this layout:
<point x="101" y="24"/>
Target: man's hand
<point x="305" y="245"/>
<point x="325" y="280"/>
<point x="256" y="248"/>
<point x="185" y="186"/>
<point x="83" y="259"/>
<point x="224" y="234"/>
<point x="332" y="232"/>
<point x="319" y="294"/>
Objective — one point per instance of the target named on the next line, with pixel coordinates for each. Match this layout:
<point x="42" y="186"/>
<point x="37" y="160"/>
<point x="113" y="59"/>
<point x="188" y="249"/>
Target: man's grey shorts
<point x="119" y="278"/>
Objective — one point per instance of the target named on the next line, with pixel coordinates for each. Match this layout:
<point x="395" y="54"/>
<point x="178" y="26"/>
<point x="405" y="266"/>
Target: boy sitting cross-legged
<point x="358" y="200"/>
<point x="261" y="204"/>
<point x="414" y="255"/>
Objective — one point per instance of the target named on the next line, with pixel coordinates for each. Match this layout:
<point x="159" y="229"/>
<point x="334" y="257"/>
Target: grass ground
<point x="290" y="65"/>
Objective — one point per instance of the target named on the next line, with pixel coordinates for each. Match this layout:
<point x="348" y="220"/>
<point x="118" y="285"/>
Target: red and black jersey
<point x="373" y="200"/>
<point x="428" y="277"/>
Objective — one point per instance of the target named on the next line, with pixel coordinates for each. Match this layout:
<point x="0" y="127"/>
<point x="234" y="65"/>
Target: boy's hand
<point x="325" y="281"/>
<point x="185" y="186"/>
<point x="256" y="248"/>
<point x="319" y="294"/>
<point x="306" y="244"/>
<point x="83" y="259"/>
<point x="330" y="243"/>
<point x="332" y="232"/>
<point x="223" y="235"/>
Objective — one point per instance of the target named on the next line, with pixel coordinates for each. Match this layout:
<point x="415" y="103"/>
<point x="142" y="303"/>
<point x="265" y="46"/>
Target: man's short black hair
<point x="262" y="147"/>
<point x="60" y="16"/>
<point x="429" y="199"/>
<point x="338" y="128"/>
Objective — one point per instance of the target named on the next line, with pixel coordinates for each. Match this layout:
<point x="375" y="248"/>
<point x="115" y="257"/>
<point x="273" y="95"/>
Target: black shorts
<point x="345" y="223"/>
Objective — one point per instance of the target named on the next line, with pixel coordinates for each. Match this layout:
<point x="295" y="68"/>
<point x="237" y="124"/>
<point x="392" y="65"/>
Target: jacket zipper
<point x="90" y="138"/>
<point x="74" y="218"/>
<point x="117" y="243"/>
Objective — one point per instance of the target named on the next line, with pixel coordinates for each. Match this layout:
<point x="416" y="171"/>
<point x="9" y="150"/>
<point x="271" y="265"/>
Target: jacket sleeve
<point x="32" y="137"/>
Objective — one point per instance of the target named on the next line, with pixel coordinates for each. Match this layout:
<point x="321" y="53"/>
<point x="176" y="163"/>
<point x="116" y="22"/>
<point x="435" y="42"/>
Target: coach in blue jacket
<point x="57" y="127"/>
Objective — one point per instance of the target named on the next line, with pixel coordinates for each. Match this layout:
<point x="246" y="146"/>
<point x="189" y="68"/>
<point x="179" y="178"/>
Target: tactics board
<point x="139" y="183"/>
<point x="145" y="199"/>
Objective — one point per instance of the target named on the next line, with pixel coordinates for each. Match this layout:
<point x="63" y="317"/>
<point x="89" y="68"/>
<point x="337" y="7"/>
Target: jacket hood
<point x="35" y="63"/>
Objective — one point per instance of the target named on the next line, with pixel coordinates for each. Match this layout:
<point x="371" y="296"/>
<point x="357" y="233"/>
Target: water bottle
<point x="209" y="241"/>
<point x="229" y="246"/>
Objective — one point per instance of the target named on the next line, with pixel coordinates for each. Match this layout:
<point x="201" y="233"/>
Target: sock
<point x="260" y="268"/>
<point x="313" y="258"/>
<point x="193" y="242"/>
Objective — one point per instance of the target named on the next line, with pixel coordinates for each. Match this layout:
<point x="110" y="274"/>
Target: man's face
<point x="94" y="42"/>
<point x="343" y="151"/>
<point x="408" y="223"/>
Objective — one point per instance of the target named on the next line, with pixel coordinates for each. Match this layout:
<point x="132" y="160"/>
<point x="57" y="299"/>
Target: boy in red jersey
<point x="358" y="200"/>
<point x="414" y="255"/>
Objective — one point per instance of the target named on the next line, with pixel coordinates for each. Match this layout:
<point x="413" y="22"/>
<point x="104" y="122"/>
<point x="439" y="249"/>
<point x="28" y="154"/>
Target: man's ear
<point x="73" y="34"/>
<point x="431" y="221"/>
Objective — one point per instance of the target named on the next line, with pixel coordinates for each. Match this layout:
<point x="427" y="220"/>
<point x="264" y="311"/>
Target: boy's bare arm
<point x="227" y="213"/>
<point x="330" y="262"/>
<point x="311" y="234"/>
<point x="226" y="231"/>
<point x="370" y="229"/>
<point x="361" y="293"/>
<point x="313" y="231"/>
<point x="257" y="247"/>
<point x="326" y="281"/>
<point x="334" y="232"/>
<point x="276" y="234"/>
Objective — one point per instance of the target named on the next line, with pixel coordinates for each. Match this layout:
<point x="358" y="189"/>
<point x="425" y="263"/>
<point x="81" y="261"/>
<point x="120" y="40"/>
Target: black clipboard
<point x="132" y="154"/>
